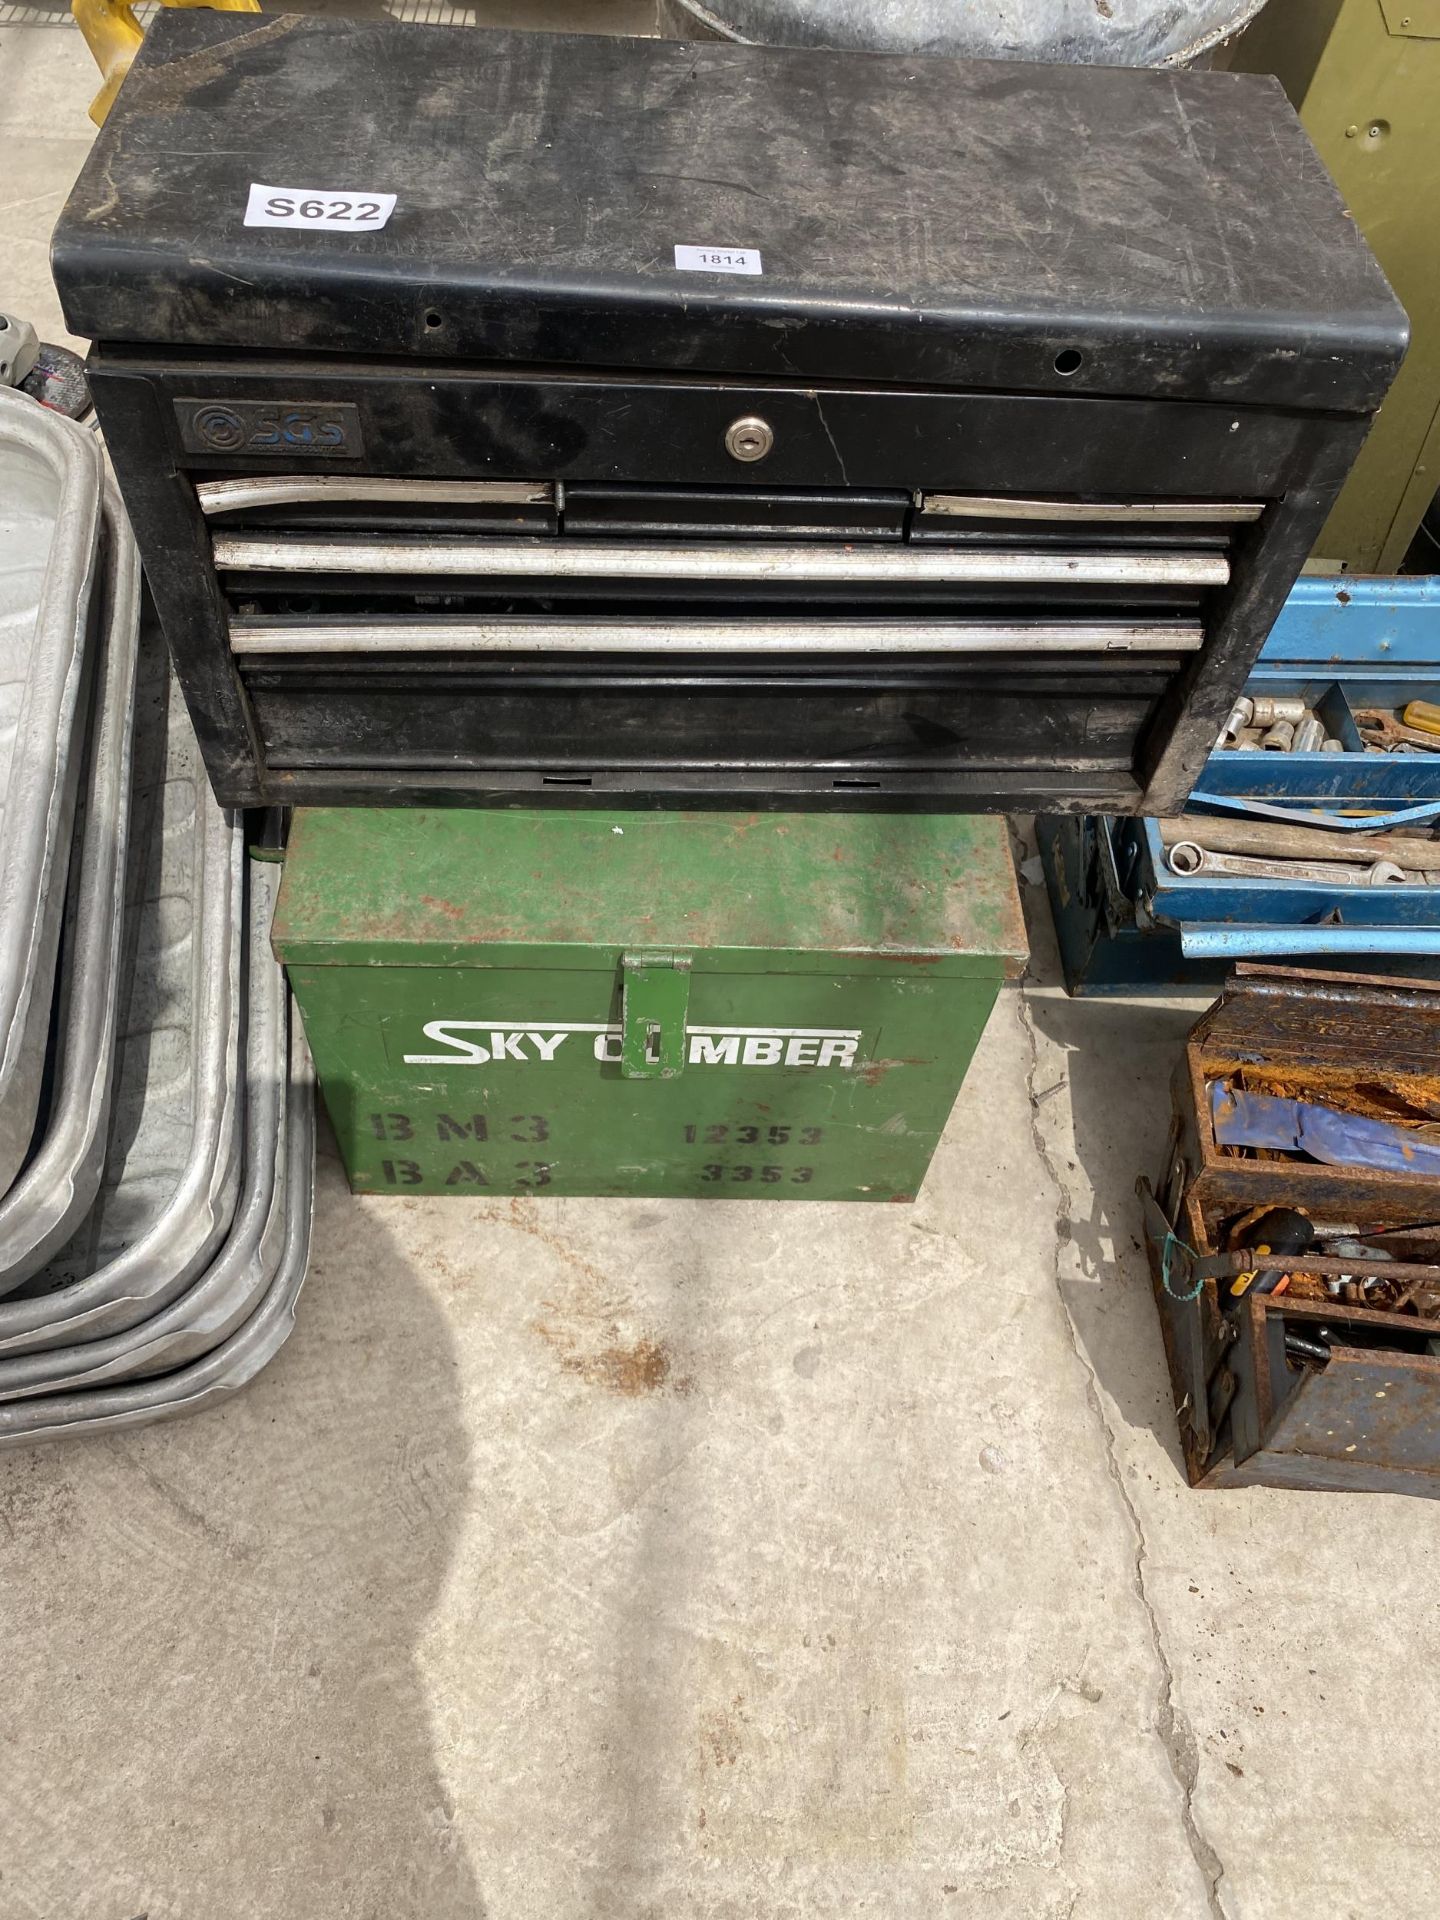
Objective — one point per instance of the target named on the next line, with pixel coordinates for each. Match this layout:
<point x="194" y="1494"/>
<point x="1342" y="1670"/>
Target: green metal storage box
<point x="777" y="1006"/>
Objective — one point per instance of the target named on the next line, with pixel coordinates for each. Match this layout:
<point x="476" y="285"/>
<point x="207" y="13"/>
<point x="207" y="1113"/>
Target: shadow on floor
<point x="240" y="1726"/>
<point x="1120" y="1056"/>
<point x="1116" y="1061"/>
<point x="35" y="13"/>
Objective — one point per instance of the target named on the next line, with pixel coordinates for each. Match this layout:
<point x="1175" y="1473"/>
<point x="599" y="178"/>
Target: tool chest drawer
<point x="707" y="1005"/>
<point x="1311" y="1360"/>
<point x="514" y="491"/>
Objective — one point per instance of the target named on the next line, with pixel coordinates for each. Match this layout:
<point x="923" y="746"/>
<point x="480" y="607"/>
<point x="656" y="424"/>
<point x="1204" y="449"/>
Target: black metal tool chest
<point x="709" y="422"/>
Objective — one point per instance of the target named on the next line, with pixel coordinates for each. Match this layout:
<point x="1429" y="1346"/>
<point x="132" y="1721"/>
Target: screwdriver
<point x="1283" y="1230"/>
<point x="1423" y="715"/>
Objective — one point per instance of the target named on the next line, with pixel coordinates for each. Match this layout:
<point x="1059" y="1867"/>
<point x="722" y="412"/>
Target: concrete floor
<point x="878" y="1593"/>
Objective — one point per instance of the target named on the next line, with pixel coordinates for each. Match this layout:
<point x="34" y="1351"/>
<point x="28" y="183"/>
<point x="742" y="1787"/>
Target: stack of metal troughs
<point x="156" y="1119"/>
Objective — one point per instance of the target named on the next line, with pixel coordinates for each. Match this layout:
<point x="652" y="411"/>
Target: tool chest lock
<point x="969" y="481"/>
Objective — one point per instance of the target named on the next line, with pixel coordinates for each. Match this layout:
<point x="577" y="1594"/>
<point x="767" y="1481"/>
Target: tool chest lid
<point x="1295" y="1015"/>
<point x="848" y="893"/>
<point x="562" y="199"/>
<point x="1339" y="622"/>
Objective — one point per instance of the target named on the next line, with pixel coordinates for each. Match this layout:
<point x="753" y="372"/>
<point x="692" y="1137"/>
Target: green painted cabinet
<point x="776" y="1006"/>
<point x="1364" y="76"/>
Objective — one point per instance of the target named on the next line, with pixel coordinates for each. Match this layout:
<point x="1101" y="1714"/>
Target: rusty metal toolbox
<point x="1315" y="1389"/>
<point x="680" y="449"/>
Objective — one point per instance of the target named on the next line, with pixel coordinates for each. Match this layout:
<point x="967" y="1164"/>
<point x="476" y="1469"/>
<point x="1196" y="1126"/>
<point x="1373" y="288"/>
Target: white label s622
<point x="327" y="209"/>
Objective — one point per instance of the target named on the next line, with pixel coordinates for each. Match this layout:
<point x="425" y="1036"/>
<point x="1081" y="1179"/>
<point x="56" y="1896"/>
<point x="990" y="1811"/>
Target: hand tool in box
<point x="1383" y="733"/>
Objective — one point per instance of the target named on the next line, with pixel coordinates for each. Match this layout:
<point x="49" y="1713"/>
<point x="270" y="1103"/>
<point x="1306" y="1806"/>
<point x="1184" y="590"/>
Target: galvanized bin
<point x="165" y="1381"/>
<point x="1132" y="33"/>
<point x="168" y="1193"/>
<point x="71" y="1353"/>
<point x="155" y="1239"/>
<point x="50" y="474"/>
<point x="62" y="1176"/>
<point x="704" y="1005"/>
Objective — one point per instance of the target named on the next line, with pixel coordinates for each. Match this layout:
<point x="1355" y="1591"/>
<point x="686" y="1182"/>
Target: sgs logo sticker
<point x="288" y="429"/>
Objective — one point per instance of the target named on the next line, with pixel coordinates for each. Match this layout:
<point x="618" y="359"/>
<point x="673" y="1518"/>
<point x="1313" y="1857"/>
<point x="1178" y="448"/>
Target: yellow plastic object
<point x="113" y="35"/>
<point x="1423" y="715"/>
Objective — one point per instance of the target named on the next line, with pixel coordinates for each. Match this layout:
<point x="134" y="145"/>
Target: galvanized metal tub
<point x="236" y="1361"/>
<point x="62" y="1177"/>
<point x="1114" y="33"/>
<point x="50" y="479"/>
<point x="168" y="1194"/>
<point x="200" y="1317"/>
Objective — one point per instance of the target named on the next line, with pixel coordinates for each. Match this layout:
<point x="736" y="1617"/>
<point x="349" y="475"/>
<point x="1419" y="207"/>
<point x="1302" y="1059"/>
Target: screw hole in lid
<point x="1069" y="360"/>
<point x="434" y="318"/>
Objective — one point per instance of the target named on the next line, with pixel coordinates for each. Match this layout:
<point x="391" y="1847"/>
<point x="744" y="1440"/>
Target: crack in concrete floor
<point x="1171" y="1725"/>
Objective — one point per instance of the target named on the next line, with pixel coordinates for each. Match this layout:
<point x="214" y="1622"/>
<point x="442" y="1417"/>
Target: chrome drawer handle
<point x="708" y="636"/>
<point x="584" y="559"/>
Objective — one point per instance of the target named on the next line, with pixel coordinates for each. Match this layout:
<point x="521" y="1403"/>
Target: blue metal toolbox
<point x="1127" y="923"/>
<point x="1108" y="942"/>
<point x="1181" y="901"/>
<point x="1343" y="643"/>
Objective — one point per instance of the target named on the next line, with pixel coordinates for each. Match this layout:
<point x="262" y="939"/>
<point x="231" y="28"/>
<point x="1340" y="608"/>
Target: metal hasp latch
<point x="654" y="1000"/>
